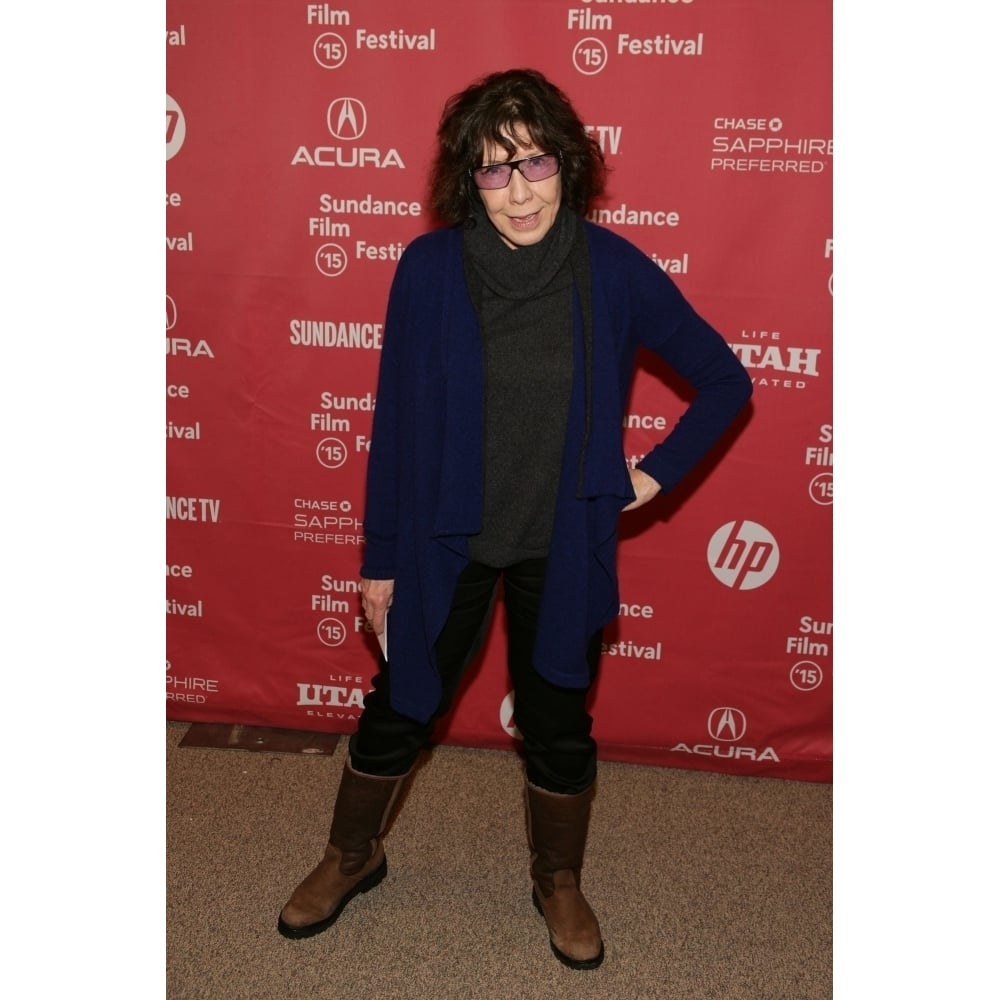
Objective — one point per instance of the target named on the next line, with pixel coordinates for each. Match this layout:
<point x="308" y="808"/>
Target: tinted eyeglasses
<point x="533" y="168"/>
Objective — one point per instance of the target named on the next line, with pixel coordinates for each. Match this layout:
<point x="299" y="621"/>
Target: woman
<point x="508" y="352"/>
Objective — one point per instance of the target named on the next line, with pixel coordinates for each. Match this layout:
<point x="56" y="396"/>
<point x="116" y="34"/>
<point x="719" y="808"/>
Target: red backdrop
<point x="299" y="138"/>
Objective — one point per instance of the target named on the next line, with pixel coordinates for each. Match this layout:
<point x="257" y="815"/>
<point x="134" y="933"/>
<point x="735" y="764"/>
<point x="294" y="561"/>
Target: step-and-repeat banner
<point x="299" y="138"/>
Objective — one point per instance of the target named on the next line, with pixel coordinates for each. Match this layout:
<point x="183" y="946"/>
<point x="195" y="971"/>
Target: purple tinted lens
<point x="537" y="168"/>
<point x="534" y="168"/>
<point x="496" y="176"/>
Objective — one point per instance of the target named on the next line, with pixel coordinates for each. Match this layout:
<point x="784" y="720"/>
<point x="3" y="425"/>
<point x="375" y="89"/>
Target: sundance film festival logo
<point x="330" y="50"/>
<point x="743" y="555"/>
<point x="176" y="129"/>
<point x="331" y="632"/>
<point x="331" y="453"/>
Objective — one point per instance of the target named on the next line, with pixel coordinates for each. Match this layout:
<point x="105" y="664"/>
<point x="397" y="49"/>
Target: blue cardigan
<point x="424" y="483"/>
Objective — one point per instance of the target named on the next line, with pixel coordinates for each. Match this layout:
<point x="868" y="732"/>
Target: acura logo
<point x="727" y="725"/>
<point x="346" y="118"/>
<point x="507" y="722"/>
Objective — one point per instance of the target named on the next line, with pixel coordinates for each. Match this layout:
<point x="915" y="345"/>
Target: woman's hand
<point x="376" y="599"/>
<point x="645" y="486"/>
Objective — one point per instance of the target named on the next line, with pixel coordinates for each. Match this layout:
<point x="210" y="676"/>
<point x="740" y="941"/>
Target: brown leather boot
<point x="557" y="834"/>
<point x="354" y="860"/>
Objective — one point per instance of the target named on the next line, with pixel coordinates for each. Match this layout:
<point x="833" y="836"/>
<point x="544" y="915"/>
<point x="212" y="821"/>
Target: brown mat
<point x="707" y="886"/>
<point x="226" y="736"/>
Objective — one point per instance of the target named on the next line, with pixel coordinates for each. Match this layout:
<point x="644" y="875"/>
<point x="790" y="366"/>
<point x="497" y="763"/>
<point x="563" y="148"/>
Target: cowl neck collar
<point x="520" y="273"/>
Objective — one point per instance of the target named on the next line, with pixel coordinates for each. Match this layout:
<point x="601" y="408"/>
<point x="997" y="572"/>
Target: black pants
<point x="560" y="754"/>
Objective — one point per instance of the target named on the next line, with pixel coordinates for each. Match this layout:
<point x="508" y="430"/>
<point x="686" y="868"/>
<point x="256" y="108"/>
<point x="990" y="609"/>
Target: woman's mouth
<point x="524" y="221"/>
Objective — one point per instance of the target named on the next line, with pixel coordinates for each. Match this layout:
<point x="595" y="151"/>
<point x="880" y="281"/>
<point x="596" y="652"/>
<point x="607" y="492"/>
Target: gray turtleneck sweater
<point x="523" y="298"/>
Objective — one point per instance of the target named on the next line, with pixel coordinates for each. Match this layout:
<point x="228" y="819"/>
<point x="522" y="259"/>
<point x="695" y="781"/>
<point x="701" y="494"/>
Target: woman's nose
<point x="520" y="187"/>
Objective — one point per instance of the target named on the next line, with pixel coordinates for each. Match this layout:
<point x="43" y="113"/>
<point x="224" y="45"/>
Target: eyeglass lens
<point x="533" y="168"/>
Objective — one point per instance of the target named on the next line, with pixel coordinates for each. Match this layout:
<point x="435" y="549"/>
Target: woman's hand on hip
<point x="645" y="486"/>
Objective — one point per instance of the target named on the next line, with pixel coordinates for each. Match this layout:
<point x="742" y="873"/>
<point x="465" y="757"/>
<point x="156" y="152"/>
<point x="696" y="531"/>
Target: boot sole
<point x="572" y="963"/>
<point x="368" y="882"/>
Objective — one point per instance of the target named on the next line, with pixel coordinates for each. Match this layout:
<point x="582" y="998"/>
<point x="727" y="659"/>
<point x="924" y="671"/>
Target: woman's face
<point x="523" y="211"/>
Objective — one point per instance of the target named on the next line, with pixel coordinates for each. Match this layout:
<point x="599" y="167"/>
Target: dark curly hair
<point x="489" y="111"/>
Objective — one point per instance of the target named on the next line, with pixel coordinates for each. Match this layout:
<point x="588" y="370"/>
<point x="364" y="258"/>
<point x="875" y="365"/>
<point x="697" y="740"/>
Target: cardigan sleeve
<point x="666" y="324"/>
<point x="381" y="488"/>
